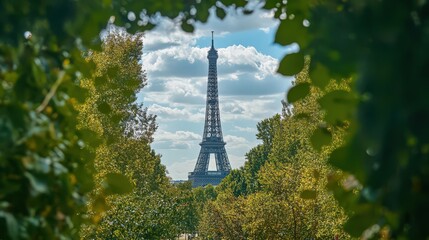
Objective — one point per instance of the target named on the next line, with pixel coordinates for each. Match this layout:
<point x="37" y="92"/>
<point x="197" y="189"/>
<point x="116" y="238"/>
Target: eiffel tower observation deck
<point x="212" y="143"/>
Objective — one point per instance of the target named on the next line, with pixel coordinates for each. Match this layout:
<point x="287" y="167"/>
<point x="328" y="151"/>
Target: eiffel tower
<point x="212" y="142"/>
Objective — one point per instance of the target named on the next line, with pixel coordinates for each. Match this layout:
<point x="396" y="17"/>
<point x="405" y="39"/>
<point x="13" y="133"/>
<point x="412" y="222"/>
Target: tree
<point x="258" y="155"/>
<point x="223" y="218"/>
<point x="266" y="217"/>
<point x="385" y="148"/>
<point x="298" y="171"/>
<point x="153" y="210"/>
<point x="244" y="181"/>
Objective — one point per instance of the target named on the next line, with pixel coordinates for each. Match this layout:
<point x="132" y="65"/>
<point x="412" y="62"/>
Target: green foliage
<point x="383" y="46"/>
<point x="223" y="218"/>
<point x="298" y="92"/>
<point x="266" y="217"/>
<point x="236" y="182"/>
<point x="125" y="162"/>
<point x="320" y="137"/>
<point x="116" y="183"/>
<point x="162" y="214"/>
<point x="291" y="31"/>
<point x="339" y="106"/>
<point x="43" y="174"/>
<point x="280" y="192"/>
<point x="308" y="194"/>
<point x="291" y="64"/>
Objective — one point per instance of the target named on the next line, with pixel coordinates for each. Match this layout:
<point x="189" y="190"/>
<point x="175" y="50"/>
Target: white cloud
<point x="236" y="160"/>
<point x="163" y="135"/>
<point x="236" y="141"/>
<point x="180" y="145"/>
<point x="265" y="30"/>
<point x="186" y="61"/>
<point x="245" y="129"/>
<point x="249" y="108"/>
<point x="175" y="140"/>
<point x="180" y="169"/>
<point x="173" y="114"/>
<point x="235" y="57"/>
<point x="169" y="112"/>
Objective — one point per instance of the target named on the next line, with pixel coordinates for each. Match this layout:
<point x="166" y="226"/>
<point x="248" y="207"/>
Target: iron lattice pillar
<point x="212" y="142"/>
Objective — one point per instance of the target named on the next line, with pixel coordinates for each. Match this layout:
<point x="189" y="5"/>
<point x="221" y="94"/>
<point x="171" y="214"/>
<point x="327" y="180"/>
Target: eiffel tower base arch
<point x="201" y="179"/>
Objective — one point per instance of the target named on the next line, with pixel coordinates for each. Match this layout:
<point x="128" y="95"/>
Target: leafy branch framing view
<point x="68" y="142"/>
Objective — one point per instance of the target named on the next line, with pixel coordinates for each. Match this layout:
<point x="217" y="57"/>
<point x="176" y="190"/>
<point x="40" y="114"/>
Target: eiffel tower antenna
<point x="212" y="142"/>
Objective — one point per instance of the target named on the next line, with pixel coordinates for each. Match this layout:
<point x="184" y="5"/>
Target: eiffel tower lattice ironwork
<point x="212" y="142"/>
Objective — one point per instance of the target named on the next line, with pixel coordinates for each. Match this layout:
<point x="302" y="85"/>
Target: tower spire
<point x="212" y="40"/>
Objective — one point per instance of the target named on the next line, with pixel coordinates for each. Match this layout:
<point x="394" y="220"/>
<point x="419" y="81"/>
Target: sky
<point x="250" y="90"/>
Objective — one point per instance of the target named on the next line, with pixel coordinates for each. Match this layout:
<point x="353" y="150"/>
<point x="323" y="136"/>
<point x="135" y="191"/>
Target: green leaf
<point x="270" y="4"/>
<point x="12" y="225"/>
<point x="340" y="158"/>
<point x="319" y="75"/>
<point x="247" y="12"/>
<point x="104" y="107"/>
<point x="187" y="27"/>
<point x="203" y="11"/>
<point x="107" y="2"/>
<point x="346" y="159"/>
<point x="303" y="116"/>
<point x="298" y="7"/>
<point x="39" y="185"/>
<point x="291" y="64"/>
<point x="113" y="71"/>
<point x="220" y="13"/>
<point x="117" y="233"/>
<point x="316" y="174"/>
<point x="339" y="106"/>
<point x="117" y="183"/>
<point x="308" y="194"/>
<point x="290" y="31"/>
<point x="99" y="205"/>
<point x="100" y="81"/>
<point x="79" y="93"/>
<point x="298" y="92"/>
<point x="364" y="217"/>
<point x="240" y="3"/>
<point x="11" y="77"/>
<point x="321" y="137"/>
